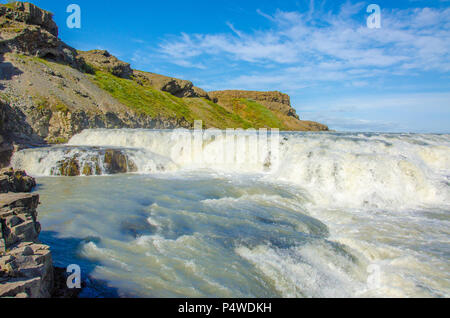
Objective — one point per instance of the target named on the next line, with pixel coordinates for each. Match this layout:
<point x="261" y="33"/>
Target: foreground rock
<point x="15" y="181"/>
<point x="26" y="267"/>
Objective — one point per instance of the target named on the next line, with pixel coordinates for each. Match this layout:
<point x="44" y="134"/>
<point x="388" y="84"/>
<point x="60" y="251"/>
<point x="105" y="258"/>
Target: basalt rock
<point x="29" y="30"/>
<point x="177" y="87"/>
<point x="69" y="167"/>
<point x="110" y="161"/>
<point x="15" y="181"/>
<point x="116" y="161"/>
<point x="103" y="60"/>
<point x="26" y="268"/>
<point x="30" y="14"/>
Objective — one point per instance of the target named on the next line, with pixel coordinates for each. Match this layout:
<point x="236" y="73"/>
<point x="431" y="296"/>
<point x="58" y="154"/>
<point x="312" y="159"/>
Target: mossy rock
<point x="69" y="168"/>
<point x="117" y="162"/>
<point x="87" y="170"/>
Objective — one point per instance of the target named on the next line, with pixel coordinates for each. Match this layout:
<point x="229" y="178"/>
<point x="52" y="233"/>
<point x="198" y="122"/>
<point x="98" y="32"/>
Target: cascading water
<point x="314" y="214"/>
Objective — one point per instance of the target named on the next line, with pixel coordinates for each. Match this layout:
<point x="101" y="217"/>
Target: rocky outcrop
<point x="27" y="29"/>
<point x="177" y="87"/>
<point x="15" y="133"/>
<point x="30" y="14"/>
<point x="94" y="162"/>
<point x="26" y="268"/>
<point x="27" y="271"/>
<point x="15" y="181"/>
<point x="102" y="60"/>
<point x="115" y="161"/>
<point x="275" y="101"/>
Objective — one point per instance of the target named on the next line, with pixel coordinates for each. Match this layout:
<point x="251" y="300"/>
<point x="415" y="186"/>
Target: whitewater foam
<point x="338" y="170"/>
<point x="336" y="207"/>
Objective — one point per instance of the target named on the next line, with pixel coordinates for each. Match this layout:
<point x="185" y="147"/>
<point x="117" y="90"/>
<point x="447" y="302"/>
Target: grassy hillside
<point x="147" y="100"/>
<point x="258" y="114"/>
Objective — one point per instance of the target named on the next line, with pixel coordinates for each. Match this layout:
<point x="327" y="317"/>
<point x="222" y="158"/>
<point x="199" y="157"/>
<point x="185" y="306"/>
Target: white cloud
<point x="414" y="39"/>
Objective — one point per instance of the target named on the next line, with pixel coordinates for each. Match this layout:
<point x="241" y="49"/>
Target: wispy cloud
<point x="321" y="57"/>
<point x="324" y="46"/>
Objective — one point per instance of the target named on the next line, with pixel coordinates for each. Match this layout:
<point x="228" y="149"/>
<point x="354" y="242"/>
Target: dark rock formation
<point x="30" y="14"/>
<point x="177" y="87"/>
<point x="26" y="266"/>
<point x="27" y="29"/>
<point x="109" y="161"/>
<point x="116" y="161"/>
<point x="104" y="61"/>
<point x="15" y="181"/>
<point x="15" y="133"/>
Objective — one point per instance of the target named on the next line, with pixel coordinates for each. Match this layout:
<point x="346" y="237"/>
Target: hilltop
<point x="50" y="91"/>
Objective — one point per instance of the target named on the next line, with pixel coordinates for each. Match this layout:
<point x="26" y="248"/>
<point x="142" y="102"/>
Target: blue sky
<point x="336" y="70"/>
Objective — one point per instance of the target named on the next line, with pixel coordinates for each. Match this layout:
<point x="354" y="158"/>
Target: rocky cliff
<point x="49" y="91"/>
<point x="26" y="268"/>
<point x="278" y="103"/>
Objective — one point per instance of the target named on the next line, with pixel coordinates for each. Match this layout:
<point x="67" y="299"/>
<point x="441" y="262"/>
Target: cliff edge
<point x="26" y="268"/>
<point x="278" y="103"/>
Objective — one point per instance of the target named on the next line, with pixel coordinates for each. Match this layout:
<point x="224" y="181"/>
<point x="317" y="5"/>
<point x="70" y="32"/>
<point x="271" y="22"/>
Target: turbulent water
<point x="312" y="215"/>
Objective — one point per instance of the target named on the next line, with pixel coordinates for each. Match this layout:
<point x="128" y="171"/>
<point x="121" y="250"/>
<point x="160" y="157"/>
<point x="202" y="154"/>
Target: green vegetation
<point x="87" y="68"/>
<point x="58" y="140"/>
<point x="258" y="114"/>
<point x="60" y="107"/>
<point x="144" y="100"/>
<point x="214" y="115"/>
<point x="147" y="100"/>
<point x="26" y="58"/>
<point x="40" y="102"/>
<point x="52" y="103"/>
<point x="5" y="98"/>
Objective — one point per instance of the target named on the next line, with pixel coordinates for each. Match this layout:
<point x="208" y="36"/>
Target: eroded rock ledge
<point x="26" y="267"/>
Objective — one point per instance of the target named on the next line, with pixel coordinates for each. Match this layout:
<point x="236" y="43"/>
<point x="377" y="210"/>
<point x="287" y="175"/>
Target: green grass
<point x="152" y="102"/>
<point x="60" y="107"/>
<point x="5" y="97"/>
<point x="51" y="102"/>
<point x="214" y="115"/>
<point x="58" y="140"/>
<point x="26" y="58"/>
<point x="258" y="114"/>
<point x="40" y="102"/>
<point x="147" y="100"/>
<point x="144" y="100"/>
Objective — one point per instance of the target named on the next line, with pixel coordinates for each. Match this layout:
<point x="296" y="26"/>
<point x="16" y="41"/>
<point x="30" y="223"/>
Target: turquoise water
<point x="357" y="215"/>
